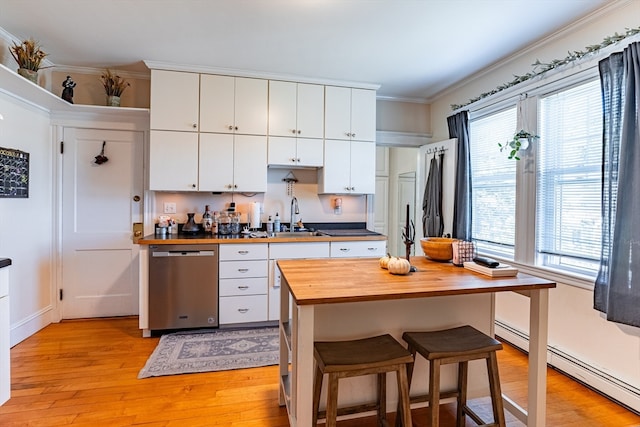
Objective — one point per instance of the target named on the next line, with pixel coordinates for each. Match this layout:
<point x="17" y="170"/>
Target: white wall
<point x="578" y="335"/>
<point x="26" y="224"/>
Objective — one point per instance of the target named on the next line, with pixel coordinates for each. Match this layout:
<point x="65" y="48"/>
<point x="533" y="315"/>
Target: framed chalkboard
<point x="14" y="173"/>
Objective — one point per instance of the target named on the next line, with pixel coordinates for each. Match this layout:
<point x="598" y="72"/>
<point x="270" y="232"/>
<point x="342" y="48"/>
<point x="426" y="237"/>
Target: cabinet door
<point x="363" y="114"/>
<point x="363" y="167"/>
<point x="282" y="108"/>
<point x="173" y="161"/>
<point x="217" y="97"/>
<point x="282" y="151"/>
<point x="337" y="112"/>
<point x="250" y="163"/>
<point x="174" y="100"/>
<point x="216" y="162"/>
<point x="335" y="175"/>
<point x="251" y="106"/>
<point x="310" y="111"/>
<point x="310" y="152"/>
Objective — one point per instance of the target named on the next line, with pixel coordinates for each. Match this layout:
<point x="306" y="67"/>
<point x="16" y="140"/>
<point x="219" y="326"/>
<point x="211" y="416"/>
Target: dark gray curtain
<point x="617" y="287"/>
<point x="432" y="224"/>
<point x="459" y="128"/>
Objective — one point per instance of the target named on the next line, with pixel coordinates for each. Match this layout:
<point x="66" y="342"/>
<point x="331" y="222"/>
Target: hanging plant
<point x="519" y="142"/>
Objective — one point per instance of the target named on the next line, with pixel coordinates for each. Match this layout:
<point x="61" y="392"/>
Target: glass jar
<point x="235" y="222"/>
<point x="224" y="223"/>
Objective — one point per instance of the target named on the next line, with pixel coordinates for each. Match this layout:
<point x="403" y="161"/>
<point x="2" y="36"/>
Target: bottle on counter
<point x="207" y="220"/>
<point x="276" y="223"/>
<point x="214" y="224"/>
<point x="269" y="226"/>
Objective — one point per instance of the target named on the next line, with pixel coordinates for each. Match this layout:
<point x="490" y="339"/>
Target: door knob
<point x="136" y="198"/>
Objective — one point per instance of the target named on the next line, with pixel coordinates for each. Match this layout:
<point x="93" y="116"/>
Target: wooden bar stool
<point x="375" y="355"/>
<point x="457" y="345"/>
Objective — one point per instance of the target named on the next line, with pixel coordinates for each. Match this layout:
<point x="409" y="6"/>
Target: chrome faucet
<point x="294" y="211"/>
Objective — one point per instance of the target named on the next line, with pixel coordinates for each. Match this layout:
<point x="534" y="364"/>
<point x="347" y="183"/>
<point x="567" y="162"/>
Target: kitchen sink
<point x="298" y="234"/>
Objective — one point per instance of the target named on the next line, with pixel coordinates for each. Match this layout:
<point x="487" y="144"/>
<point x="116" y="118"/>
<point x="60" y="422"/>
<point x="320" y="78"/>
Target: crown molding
<point x="155" y="65"/>
<point x="402" y="139"/>
<point x="402" y="99"/>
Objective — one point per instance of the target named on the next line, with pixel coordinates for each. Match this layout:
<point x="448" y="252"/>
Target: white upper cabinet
<point x="233" y="163"/>
<point x="233" y="105"/>
<point x="349" y="168"/>
<point x="173" y="161"/>
<point x="350" y="114"/>
<point x="296" y="109"/>
<point x="174" y="100"/>
<point x="292" y="152"/>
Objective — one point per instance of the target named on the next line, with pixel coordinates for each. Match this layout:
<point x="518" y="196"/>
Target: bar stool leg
<point x="495" y="389"/>
<point x="332" y="400"/>
<point x="434" y="391"/>
<point x="382" y="399"/>
<point x="404" y="402"/>
<point x="463" y="369"/>
<point x="317" y="389"/>
<point x="409" y="375"/>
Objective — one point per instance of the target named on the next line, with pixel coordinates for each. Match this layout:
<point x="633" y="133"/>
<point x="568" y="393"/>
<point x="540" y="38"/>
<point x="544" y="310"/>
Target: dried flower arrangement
<point x="28" y="54"/>
<point x="113" y="84"/>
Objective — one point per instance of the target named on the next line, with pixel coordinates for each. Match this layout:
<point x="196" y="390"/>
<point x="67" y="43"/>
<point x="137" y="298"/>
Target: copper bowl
<point x="437" y="248"/>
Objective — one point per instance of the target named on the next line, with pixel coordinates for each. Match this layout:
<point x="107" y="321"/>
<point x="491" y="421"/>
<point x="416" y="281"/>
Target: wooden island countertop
<point x="327" y="281"/>
<point x="343" y="298"/>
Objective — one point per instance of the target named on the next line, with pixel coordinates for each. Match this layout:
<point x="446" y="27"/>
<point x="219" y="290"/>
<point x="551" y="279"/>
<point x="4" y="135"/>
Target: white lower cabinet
<point x="278" y="251"/>
<point x="359" y="249"/>
<point x="243" y="283"/>
<point x="5" y="363"/>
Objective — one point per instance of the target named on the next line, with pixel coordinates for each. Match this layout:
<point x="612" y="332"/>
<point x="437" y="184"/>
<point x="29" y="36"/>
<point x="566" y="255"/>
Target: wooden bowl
<point x="437" y="248"/>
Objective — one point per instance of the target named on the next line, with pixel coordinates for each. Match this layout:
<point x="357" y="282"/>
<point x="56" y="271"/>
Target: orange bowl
<point x="437" y="248"/>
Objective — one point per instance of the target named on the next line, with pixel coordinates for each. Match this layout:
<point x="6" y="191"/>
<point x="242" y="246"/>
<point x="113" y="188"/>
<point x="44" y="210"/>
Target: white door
<point x="406" y="196"/>
<point x="99" y="205"/>
<point x="448" y="182"/>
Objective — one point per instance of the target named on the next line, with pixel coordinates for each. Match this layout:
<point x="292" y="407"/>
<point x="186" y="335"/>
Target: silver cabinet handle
<point x="243" y="252"/>
<point x="345" y="249"/>
<point x="243" y="310"/>
<point x="243" y="270"/>
<point x="243" y="287"/>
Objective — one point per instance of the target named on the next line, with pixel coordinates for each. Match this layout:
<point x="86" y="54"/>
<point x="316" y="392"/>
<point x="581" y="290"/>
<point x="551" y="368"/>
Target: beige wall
<point x="400" y="116"/>
<point x="89" y="89"/>
<point x="618" y="17"/>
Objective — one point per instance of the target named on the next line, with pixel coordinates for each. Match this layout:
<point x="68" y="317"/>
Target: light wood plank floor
<point x="84" y="373"/>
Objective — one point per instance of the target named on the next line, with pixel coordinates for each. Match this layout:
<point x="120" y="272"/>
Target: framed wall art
<point x="14" y="173"/>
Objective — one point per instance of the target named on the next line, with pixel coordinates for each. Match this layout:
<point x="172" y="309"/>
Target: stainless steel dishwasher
<point x="183" y="286"/>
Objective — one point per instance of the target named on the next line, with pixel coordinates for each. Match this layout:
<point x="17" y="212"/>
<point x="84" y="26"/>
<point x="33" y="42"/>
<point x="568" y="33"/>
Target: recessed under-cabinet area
<point x="221" y="133"/>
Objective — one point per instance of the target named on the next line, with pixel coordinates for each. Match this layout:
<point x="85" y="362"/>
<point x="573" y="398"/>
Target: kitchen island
<point x="352" y="298"/>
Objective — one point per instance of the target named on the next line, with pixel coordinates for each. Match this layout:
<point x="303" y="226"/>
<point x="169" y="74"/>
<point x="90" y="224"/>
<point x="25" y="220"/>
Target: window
<point x="493" y="183"/>
<point x="568" y="188"/>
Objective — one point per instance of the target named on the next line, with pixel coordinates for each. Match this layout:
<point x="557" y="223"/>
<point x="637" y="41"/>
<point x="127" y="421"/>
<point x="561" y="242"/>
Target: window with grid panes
<point x="493" y="183"/>
<point x="568" y="224"/>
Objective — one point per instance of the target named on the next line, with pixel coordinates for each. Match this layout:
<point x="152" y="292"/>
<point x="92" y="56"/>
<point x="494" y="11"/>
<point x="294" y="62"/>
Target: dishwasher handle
<point x="163" y="254"/>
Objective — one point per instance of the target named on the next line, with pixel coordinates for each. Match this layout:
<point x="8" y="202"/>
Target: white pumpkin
<point x="399" y="266"/>
<point x="384" y="261"/>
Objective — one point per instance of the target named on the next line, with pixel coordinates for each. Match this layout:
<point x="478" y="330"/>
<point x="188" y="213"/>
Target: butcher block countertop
<point x="328" y="281"/>
<point x="179" y="239"/>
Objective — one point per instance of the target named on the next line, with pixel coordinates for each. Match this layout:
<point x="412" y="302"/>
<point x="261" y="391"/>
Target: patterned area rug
<point x="213" y="350"/>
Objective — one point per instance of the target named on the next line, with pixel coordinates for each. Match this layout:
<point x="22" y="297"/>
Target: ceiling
<point x="414" y="49"/>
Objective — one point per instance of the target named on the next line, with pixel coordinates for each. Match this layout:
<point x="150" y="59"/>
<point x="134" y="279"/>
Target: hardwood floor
<point x="84" y="373"/>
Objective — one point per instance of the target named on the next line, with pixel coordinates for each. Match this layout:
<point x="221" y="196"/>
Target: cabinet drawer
<point x="299" y="250"/>
<point x="235" y="252"/>
<point x="252" y="308"/>
<point x="368" y="248"/>
<point x="248" y="286"/>
<point x="240" y="269"/>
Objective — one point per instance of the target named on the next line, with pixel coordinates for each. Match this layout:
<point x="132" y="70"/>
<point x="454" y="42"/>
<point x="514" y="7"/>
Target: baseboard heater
<point x="612" y="387"/>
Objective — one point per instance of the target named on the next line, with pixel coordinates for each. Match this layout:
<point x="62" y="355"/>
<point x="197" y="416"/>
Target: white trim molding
<point x="402" y="139"/>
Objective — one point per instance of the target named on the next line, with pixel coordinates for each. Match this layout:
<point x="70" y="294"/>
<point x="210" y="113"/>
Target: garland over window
<point x="540" y="68"/>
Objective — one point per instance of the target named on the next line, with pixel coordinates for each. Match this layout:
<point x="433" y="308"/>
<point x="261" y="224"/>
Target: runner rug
<point x="213" y="350"/>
